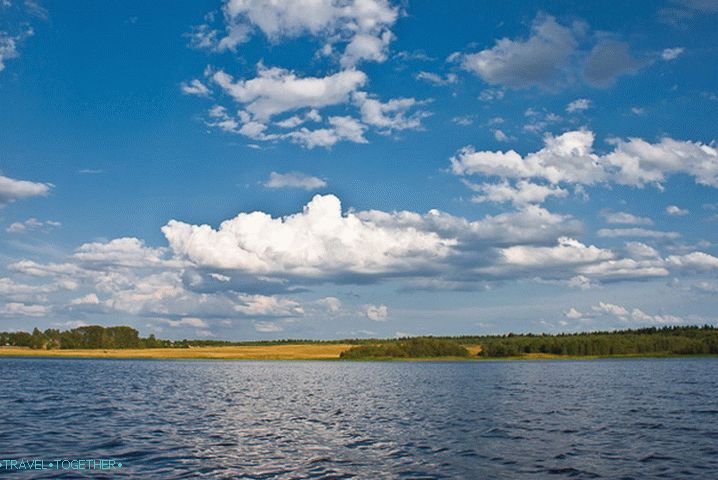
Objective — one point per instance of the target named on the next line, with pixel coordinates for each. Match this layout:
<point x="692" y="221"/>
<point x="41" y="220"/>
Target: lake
<point x="642" y="418"/>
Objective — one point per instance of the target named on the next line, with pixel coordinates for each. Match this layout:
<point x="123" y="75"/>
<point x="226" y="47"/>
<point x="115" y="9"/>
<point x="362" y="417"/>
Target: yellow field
<point x="315" y="351"/>
<point x="308" y="351"/>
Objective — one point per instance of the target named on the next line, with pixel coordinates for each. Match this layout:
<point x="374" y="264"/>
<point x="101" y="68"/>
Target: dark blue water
<point x="186" y="419"/>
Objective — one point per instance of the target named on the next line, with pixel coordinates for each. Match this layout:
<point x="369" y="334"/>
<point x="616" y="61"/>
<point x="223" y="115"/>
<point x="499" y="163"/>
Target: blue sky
<point x="413" y="168"/>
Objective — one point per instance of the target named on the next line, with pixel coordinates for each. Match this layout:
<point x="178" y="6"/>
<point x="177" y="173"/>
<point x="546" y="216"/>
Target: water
<point x="213" y="419"/>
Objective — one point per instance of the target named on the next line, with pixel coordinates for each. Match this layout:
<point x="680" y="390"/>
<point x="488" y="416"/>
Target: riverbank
<point x="309" y="351"/>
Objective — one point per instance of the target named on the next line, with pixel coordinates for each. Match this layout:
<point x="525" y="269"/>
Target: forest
<point x="416" y="347"/>
<point x="646" y="341"/>
<point x="89" y="337"/>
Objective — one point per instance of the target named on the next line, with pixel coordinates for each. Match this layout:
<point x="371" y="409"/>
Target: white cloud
<point x="8" y="49"/>
<point x="640" y="316"/>
<point x="570" y="158"/>
<point x="322" y="243"/>
<point x="636" y="315"/>
<point x="341" y="128"/>
<point x="694" y="260"/>
<point x="567" y="252"/>
<point x="32" y="224"/>
<point x="636" y="232"/>
<point x="500" y="136"/>
<point x="377" y="313"/>
<point x="294" y="180"/>
<point x="72" y="324"/>
<point x="436" y="79"/>
<point x="220" y="278"/>
<point x="316" y="242"/>
<point x="566" y="158"/>
<point x="364" y="25"/>
<point x="676" y="211"/>
<point x="392" y="115"/>
<point x="491" y="94"/>
<point x="573" y="314"/>
<point x="34" y="269"/>
<point x="578" y="105"/>
<point x="276" y="90"/>
<point x="523" y="193"/>
<point x="319" y="244"/>
<point x="332" y="304"/>
<point x="13" y="290"/>
<point x="296" y="120"/>
<point x="348" y="128"/>
<point x="610" y="309"/>
<point x="265" y="305"/>
<point x="537" y="60"/>
<point x="12" y="190"/>
<point x="9" y="45"/>
<point x="641" y="250"/>
<point x="158" y="293"/>
<point x="624" y="218"/>
<point x="581" y="282"/>
<point x="464" y="120"/>
<point x="125" y="252"/>
<point x="188" y="322"/>
<point x="366" y="47"/>
<point x="89" y="299"/>
<point x="194" y="87"/>
<point x="639" y="162"/>
<point x="267" y="327"/>
<point x="625" y="269"/>
<point x="16" y="309"/>
<point x="539" y="122"/>
<point x="672" y="53"/>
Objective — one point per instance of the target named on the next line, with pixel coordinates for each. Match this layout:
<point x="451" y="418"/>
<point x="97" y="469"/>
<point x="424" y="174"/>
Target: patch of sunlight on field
<point x="474" y="350"/>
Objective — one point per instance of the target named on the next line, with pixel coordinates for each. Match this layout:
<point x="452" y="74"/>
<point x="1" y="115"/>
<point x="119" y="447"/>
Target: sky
<point x="249" y="169"/>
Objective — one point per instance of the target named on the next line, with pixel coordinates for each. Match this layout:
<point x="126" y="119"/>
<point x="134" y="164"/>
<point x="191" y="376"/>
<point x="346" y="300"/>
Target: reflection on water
<point x="187" y="419"/>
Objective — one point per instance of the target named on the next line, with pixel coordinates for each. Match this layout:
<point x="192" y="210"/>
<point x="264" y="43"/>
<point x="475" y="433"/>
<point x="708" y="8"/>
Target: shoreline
<point x="297" y="352"/>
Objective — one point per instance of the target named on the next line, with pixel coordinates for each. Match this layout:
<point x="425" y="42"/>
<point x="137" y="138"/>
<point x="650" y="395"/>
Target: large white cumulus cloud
<point x="254" y="265"/>
<point x="320" y="240"/>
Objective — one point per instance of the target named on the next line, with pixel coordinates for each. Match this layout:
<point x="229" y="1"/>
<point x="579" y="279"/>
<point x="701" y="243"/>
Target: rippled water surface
<point x="192" y="419"/>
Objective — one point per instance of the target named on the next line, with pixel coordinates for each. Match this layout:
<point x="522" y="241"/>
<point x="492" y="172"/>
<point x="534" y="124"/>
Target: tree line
<point x="646" y="341"/>
<point x="89" y="337"/>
